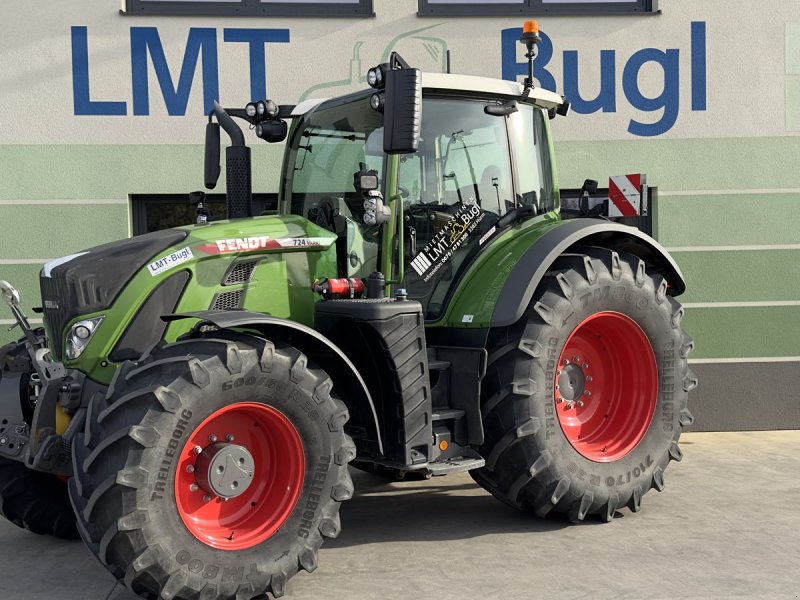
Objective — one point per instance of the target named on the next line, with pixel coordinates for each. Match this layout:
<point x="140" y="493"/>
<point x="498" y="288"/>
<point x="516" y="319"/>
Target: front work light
<point x="375" y="77"/>
<point x="250" y="110"/>
<point x="271" y="108"/>
<point x="377" y="101"/>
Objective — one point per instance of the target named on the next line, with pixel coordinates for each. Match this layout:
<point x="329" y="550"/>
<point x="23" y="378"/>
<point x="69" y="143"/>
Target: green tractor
<point x="417" y="306"/>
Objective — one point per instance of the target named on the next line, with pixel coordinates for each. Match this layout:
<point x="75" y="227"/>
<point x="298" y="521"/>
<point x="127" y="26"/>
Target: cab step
<point x="438" y="365"/>
<point x="456" y="465"/>
<point x="445" y="414"/>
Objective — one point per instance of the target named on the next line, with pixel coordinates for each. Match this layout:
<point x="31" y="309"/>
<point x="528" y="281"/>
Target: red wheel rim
<point x="606" y="386"/>
<point x="278" y="471"/>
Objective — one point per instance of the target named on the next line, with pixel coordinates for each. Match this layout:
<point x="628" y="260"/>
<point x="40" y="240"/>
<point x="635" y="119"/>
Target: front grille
<point x="240" y="273"/>
<point x="228" y="300"/>
<point x="56" y="314"/>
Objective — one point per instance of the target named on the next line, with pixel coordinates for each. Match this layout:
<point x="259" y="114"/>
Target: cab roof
<point x="488" y="85"/>
<point x="468" y="84"/>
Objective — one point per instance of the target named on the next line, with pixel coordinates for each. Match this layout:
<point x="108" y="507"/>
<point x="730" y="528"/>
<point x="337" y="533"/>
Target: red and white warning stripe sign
<point x="625" y="195"/>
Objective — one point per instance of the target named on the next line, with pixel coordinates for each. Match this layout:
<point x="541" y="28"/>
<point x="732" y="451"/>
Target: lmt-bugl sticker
<point x="173" y="260"/>
<point x="447" y="241"/>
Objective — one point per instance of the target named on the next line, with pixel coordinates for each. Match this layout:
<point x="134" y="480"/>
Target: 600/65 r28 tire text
<point x="584" y="399"/>
<point x="213" y="469"/>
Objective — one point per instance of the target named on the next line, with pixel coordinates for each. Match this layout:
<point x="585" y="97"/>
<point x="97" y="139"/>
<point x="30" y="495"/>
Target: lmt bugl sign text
<point x="202" y="49"/>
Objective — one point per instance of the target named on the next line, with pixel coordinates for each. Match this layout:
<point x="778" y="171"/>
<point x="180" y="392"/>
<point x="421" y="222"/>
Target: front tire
<point x="35" y="501"/>
<point x="172" y="522"/>
<point x="585" y="398"/>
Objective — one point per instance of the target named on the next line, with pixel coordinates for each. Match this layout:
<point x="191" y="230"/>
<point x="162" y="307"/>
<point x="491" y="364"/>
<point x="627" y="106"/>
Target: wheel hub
<point x="571" y="382"/>
<point x="225" y="470"/>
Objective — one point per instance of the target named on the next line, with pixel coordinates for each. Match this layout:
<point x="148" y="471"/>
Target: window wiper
<point x="459" y="135"/>
<point x="353" y="137"/>
<point x="515" y="215"/>
<point x="452" y="175"/>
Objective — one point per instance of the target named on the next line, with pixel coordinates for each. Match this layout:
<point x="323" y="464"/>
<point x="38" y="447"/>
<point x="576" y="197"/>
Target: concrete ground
<point x="727" y="526"/>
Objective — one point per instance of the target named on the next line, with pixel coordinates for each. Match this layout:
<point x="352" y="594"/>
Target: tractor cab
<point x="483" y="151"/>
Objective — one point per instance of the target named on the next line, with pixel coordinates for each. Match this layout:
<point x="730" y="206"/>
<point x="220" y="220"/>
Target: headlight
<point x="80" y="335"/>
<point x="250" y="110"/>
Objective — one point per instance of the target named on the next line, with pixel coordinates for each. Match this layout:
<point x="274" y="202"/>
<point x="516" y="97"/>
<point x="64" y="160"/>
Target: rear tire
<point x="166" y="538"/>
<point x="35" y="501"/>
<point x="611" y="436"/>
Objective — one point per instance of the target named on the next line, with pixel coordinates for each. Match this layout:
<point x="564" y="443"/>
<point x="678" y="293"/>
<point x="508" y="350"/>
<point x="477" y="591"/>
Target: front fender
<point x="348" y="383"/>
<point x="497" y="293"/>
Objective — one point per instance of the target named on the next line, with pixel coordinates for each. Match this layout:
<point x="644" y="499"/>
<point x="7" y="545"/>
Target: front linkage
<point x="42" y="404"/>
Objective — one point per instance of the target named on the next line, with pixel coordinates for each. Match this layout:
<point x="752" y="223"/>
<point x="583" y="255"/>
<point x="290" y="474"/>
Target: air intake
<point x="228" y="300"/>
<point x="240" y="273"/>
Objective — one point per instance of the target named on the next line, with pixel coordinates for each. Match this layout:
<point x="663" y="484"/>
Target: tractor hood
<point x="89" y="281"/>
<point x="119" y="278"/>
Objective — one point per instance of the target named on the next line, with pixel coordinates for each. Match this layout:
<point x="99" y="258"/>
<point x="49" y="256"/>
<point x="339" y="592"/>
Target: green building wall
<point x="728" y="198"/>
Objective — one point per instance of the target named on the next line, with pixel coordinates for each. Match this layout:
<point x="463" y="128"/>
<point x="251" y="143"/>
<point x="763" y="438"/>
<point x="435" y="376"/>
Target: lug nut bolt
<point x="194" y="487"/>
<point x="212" y="438"/>
<point x="579" y="404"/>
<point x="559" y="400"/>
<point x="206" y="498"/>
<point x="566" y="361"/>
<point x="589" y="378"/>
<point x="587" y="393"/>
<point x="576" y="359"/>
<point x="229" y="437"/>
<point x="198" y="449"/>
<point x="585" y="365"/>
<point x="190" y="468"/>
<point x="569" y="406"/>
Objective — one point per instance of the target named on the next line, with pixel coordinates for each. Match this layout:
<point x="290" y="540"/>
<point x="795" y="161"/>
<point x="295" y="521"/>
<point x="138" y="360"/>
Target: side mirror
<point x="402" y="111"/>
<point x="212" y="168"/>
<point x="590" y="187"/>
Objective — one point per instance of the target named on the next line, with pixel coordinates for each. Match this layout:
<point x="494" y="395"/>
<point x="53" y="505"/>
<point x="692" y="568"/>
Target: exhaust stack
<point x="238" y="171"/>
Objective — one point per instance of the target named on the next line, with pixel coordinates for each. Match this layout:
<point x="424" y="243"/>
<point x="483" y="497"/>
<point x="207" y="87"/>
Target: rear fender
<point x="348" y="383"/>
<point x="531" y="267"/>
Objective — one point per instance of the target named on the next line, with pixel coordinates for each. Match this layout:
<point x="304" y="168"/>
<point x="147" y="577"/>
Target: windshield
<point x="331" y="145"/>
